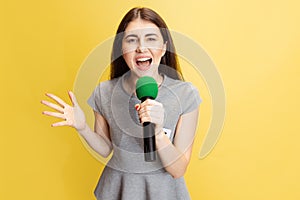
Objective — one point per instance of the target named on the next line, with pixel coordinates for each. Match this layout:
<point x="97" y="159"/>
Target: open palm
<point x="72" y="115"/>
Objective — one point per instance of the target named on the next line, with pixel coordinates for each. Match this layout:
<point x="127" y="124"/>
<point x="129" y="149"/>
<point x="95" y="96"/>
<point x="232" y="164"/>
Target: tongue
<point x="143" y="63"/>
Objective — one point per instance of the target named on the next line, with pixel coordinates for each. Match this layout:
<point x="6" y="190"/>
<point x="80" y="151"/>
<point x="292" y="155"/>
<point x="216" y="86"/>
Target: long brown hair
<point x="169" y="64"/>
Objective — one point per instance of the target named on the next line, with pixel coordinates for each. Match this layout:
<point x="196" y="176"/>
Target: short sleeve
<point x="95" y="100"/>
<point x="190" y="98"/>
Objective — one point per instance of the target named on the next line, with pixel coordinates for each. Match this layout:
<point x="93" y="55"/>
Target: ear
<point x="164" y="49"/>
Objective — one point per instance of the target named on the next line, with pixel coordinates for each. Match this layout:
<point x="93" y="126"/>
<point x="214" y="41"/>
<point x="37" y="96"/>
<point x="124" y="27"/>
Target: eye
<point x="131" y="40"/>
<point x="151" y="39"/>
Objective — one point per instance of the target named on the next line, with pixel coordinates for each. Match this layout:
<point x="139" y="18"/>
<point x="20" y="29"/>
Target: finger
<point x="54" y="114"/>
<point x="73" y="98"/>
<point x="155" y="117"/>
<point x="148" y="102"/>
<point x="150" y="110"/>
<point x="52" y="105"/>
<point x="151" y="106"/>
<point x="137" y="107"/>
<point x="57" y="99"/>
<point x="62" y="123"/>
<point x="151" y="102"/>
<point x="145" y="109"/>
<point x="144" y="116"/>
<point x="145" y="119"/>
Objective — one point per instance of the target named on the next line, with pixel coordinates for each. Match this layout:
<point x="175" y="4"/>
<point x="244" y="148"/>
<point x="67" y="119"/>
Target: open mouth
<point x="143" y="63"/>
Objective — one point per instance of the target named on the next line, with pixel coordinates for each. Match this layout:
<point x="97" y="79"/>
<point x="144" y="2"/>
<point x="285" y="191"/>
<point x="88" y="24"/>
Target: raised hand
<point x="72" y="115"/>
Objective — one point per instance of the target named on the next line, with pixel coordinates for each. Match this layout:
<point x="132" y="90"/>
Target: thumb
<point x="73" y="98"/>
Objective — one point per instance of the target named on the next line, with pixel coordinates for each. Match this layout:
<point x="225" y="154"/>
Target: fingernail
<point x="137" y="107"/>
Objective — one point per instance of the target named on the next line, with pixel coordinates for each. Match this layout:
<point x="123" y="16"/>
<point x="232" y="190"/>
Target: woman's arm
<point x="99" y="139"/>
<point x="73" y="116"/>
<point x="176" y="157"/>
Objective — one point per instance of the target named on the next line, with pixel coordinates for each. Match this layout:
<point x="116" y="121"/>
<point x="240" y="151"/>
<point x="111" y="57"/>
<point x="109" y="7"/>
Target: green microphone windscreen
<point x="146" y="87"/>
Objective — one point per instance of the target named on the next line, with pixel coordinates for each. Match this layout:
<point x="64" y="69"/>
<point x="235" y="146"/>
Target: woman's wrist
<point x="160" y="135"/>
<point x="161" y="140"/>
<point x="83" y="130"/>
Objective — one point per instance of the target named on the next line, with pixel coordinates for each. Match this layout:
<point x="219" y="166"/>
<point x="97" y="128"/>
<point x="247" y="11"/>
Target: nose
<point x="141" y="47"/>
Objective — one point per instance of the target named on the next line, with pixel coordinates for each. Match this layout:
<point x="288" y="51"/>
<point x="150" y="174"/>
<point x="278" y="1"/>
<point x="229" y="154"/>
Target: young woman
<point x="142" y="47"/>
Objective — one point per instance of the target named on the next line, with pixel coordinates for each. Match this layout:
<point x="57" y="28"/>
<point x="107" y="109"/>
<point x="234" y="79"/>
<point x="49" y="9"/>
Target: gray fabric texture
<point x="127" y="176"/>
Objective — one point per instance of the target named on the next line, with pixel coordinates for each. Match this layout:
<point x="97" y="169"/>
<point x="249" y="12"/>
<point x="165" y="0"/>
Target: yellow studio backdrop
<point x="254" y="44"/>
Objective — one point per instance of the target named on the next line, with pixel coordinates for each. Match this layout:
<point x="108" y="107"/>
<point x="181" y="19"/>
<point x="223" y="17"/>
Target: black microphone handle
<point x="149" y="141"/>
<point x="149" y="138"/>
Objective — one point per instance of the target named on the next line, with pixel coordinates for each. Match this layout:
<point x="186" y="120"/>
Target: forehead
<point x="141" y="26"/>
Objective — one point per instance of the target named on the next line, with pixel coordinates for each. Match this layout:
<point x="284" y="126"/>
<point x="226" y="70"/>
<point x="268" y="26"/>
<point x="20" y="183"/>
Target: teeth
<point x="143" y="59"/>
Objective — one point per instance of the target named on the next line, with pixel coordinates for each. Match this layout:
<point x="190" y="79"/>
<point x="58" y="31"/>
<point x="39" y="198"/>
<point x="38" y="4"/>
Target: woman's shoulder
<point x="178" y="85"/>
<point x="185" y="92"/>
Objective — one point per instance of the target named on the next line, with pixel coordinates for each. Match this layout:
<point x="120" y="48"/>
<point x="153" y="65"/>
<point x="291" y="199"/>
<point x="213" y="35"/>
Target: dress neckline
<point x="122" y="80"/>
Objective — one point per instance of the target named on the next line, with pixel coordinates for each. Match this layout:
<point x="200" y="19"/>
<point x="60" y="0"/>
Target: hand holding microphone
<point x="151" y="114"/>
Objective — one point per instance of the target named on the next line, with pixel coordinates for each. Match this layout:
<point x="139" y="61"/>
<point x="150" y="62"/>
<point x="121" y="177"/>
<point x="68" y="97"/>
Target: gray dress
<point x="127" y="176"/>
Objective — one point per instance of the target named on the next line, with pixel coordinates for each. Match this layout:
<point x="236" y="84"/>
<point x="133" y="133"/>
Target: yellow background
<point x="254" y="44"/>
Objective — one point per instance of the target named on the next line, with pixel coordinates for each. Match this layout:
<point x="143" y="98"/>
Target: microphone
<point x="147" y="88"/>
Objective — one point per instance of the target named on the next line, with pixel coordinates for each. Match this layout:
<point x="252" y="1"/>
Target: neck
<point x="130" y="80"/>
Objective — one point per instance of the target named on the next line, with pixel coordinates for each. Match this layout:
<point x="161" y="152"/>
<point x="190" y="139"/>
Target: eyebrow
<point x="151" y="34"/>
<point x="147" y="35"/>
<point x="130" y="35"/>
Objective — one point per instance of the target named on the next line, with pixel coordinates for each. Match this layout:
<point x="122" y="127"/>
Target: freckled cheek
<point x="157" y="56"/>
<point x="128" y="59"/>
